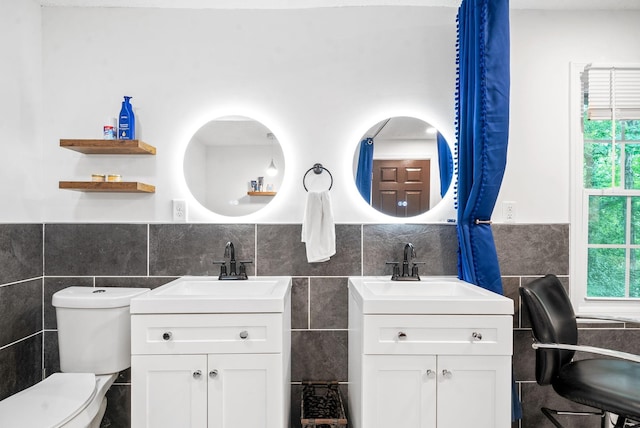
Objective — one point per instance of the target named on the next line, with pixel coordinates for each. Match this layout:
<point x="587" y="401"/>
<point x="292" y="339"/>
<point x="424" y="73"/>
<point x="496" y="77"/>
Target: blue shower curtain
<point x="365" y="169"/>
<point x="445" y="164"/>
<point x="482" y="125"/>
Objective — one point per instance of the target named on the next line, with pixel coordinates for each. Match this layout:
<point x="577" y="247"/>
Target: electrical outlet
<point x="180" y="210"/>
<point x="509" y="211"/>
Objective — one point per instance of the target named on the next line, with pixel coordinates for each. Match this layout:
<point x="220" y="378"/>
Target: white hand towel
<point x="318" y="229"/>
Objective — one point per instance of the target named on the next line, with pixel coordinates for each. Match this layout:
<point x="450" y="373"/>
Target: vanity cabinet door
<point x="245" y="390"/>
<point x="169" y="391"/>
<point x="399" y="391"/>
<point x="419" y="391"/>
<point x="474" y="391"/>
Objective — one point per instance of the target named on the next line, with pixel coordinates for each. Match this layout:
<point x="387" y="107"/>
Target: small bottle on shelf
<point x="109" y="130"/>
<point x="126" y="121"/>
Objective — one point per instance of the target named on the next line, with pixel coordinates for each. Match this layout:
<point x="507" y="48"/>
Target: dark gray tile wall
<point x="280" y="252"/>
<point x="532" y="249"/>
<point x="435" y="245"/>
<point x="20" y="307"/>
<point x="95" y="249"/>
<point x="192" y="249"/>
<point x="300" y="303"/>
<point x="330" y="303"/>
<point x="36" y="261"/>
<point x="20" y="310"/>
<point x="20" y="365"/>
<point x="20" y="252"/>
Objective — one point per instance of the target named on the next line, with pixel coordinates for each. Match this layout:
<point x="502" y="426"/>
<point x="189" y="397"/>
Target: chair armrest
<point x="590" y="349"/>
<point x="606" y="318"/>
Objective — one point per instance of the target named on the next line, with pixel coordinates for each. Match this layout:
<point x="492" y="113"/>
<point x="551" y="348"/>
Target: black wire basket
<point x="321" y="405"/>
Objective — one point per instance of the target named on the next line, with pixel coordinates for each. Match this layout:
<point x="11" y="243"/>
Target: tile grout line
<point x="43" y="369"/>
<point x="22" y="281"/>
<point x="255" y="248"/>
<point x="43" y="247"/>
<point x="362" y="250"/>
<point x="21" y="340"/>
<point x="308" y="303"/>
<point x="148" y="248"/>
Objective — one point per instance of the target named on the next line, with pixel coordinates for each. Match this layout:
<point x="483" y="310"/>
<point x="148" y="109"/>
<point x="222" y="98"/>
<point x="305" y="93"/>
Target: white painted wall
<point x="20" y="111"/>
<point x="233" y="168"/>
<point x="543" y="43"/>
<point x="318" y="78"/>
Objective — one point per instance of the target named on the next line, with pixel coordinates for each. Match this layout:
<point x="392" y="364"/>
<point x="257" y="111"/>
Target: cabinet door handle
<point x="213" y="373"/>
<point x="447" y="374"/>
<point x="430" y="373"/>
<point x="244" y="334"/>
<point x="402" y="335"/>
<point x="167" y="335"/>
<point x="476" y="336"/>
<point x="197" y="374"/>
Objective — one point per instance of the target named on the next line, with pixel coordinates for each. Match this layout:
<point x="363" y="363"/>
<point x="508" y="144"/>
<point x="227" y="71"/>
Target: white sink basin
<point x="431" y="295"/>
<point x="207" y="294"/>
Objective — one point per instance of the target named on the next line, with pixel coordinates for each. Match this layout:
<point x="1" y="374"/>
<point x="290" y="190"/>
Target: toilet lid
<point x="49" y="403"/>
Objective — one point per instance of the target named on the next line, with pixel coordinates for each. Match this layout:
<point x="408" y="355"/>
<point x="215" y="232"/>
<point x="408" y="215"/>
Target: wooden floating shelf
<point x="109" y="147"/>
<point x="108" y="186"/>
<point x="261" y="193"/>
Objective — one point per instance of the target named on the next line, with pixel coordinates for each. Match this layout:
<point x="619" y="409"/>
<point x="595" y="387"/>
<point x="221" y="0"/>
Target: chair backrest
<point x="552" y="321"/>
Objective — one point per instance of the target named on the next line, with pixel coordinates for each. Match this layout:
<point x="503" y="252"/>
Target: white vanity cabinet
<point x="169" y="390"/>
<point x="226" y="370"/>
<point x="419" y="370"/>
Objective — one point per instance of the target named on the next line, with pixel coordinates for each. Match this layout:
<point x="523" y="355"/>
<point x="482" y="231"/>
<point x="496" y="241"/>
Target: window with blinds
<point x="610" y="221"/>
<point x="611" y="93"/>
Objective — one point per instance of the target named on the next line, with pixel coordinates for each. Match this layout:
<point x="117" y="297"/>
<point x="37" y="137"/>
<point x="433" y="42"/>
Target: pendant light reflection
<point x="271" y="169"/>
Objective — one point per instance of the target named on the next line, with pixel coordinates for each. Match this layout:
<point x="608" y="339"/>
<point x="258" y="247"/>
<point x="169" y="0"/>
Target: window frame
<point x="579" y="216"/>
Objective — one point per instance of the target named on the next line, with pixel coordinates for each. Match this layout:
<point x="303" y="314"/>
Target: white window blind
<point x="611" y="92"/>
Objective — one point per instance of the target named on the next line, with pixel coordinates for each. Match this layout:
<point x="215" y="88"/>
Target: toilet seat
<point x="50" y="403"/>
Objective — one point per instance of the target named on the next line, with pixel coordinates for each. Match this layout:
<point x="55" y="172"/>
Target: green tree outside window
<point x="613" y="258"/>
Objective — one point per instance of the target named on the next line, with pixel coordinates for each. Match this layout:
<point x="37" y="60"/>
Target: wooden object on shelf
<point x="261" y="193"/>
<point x="107" y="186"/>
<point x="109" y="147"/>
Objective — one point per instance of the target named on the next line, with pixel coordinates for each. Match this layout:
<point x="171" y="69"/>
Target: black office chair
<point x="610" y="385"/>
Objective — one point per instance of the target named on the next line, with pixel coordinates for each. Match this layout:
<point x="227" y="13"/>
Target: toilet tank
<point x="94" y="328"/>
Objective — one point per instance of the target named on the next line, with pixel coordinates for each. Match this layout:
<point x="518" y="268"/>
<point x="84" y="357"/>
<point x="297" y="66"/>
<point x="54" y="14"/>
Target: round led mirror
<point x="403" y="166"/>
<point x="234" y="165"/>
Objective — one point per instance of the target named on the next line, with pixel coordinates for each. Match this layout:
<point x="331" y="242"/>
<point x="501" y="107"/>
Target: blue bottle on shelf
<point x="126" y="121"/>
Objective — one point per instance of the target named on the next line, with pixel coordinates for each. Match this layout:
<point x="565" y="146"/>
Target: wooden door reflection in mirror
<point x="400" y="188"/>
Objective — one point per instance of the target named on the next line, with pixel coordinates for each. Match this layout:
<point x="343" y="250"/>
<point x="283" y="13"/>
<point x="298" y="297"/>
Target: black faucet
<point x="240" y="273"/>
<point x="406" y="275"/>
<point x="230" y="251"/>
<point x="409" y="254"/>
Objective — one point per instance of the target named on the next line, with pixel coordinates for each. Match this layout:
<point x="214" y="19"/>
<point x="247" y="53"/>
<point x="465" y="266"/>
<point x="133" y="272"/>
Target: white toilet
<point x="94" y="338"/>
